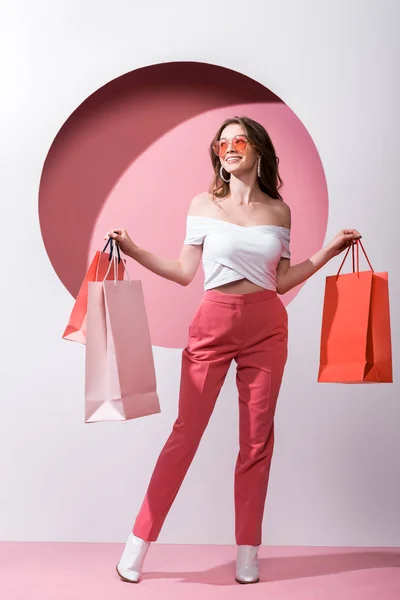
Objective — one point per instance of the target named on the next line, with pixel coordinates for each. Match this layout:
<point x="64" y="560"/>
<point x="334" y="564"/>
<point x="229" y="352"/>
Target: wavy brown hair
<point x="270" y="181"/>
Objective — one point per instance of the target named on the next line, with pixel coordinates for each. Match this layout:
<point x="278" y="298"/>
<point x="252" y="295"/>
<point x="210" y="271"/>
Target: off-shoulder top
<point x="232" y="252"/>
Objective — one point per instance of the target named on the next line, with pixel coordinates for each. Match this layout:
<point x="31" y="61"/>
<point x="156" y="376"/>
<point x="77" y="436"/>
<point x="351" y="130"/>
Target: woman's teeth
<point x="232" y="160"/>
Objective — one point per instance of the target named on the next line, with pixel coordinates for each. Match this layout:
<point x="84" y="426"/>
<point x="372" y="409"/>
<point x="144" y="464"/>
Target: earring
<point x="259" y="167"/>
<point x="221" y="174"/>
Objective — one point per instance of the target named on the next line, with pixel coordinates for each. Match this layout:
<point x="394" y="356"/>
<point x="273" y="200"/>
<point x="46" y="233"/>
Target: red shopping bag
<point x="355" y="337"/>
<point x="76" y="328"/>
<point x="120" y="380"/>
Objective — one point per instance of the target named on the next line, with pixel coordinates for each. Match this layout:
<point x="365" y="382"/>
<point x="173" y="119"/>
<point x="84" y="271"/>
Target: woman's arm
<point x="287" y="277"/>
<point x="180" y="271"/>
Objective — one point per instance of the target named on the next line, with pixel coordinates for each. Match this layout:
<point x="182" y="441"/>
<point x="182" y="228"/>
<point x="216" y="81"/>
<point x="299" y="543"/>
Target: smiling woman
<point x="241" y="231"/>
<point x="115" y="159"/>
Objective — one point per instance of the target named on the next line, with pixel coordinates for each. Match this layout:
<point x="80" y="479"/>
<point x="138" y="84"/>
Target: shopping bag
<point x="356" y="337"/>
<point x="76" y="328"/>
<point x="120" y="381"/>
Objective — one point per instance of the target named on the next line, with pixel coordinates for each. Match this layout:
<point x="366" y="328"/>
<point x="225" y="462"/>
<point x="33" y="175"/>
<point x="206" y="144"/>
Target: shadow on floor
<point x="289" y="567"/>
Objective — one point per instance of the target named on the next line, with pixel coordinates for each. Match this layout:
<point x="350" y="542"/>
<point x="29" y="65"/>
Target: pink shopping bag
<point x="76" y="328"/>
<point x="120" y="381"/>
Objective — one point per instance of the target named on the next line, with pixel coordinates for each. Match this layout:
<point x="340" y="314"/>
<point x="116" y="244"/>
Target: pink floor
<point x="49" y="571"/>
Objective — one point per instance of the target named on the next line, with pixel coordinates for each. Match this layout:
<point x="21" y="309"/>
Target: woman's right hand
<point x="123" y="240"/>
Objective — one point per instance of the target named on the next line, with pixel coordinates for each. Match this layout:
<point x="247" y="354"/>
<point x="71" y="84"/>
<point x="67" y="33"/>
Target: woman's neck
<point x="244" y="190"/>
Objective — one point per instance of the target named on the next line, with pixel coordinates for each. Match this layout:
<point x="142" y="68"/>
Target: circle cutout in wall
<point x="134" y="154"/>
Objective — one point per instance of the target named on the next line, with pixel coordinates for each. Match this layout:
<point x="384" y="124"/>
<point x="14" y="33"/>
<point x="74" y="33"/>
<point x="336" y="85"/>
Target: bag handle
<point x="357" y="243"/>
<point x="116" y="257"/>
<point x="110" y="257"/>
<point x="112" y="249"/>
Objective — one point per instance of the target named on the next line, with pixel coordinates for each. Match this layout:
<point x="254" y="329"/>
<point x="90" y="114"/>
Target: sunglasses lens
<point x="220" y="147"/>
<point x="239" y="144"/>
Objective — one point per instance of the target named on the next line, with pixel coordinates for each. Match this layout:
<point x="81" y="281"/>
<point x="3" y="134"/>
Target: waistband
<point x="224" y="298"/>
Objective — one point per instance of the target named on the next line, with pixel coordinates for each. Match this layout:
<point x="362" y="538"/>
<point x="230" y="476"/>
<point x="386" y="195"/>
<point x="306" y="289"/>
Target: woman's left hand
<point x="342" y="240"/>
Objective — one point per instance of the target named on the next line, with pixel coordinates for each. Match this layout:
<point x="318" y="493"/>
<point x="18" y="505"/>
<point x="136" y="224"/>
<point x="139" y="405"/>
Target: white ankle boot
<point x="129" y="567"/>
<point x="247" y="567"/>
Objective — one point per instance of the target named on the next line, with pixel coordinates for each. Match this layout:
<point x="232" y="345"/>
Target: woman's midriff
<point x="243" y="286"/>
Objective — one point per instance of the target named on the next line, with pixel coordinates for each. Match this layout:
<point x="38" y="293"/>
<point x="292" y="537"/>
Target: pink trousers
<point x="252" y="330"/>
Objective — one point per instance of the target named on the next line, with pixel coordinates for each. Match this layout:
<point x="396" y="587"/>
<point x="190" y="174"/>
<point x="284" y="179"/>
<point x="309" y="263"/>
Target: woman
<point x="241" y="231"/>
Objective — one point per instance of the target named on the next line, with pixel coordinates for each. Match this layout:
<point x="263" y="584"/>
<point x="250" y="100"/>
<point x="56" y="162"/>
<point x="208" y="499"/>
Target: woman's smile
<point x="233" y="159"/>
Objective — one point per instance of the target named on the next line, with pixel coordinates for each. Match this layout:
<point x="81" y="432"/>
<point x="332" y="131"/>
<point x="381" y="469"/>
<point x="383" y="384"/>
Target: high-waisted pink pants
<point x="252" y="330"/>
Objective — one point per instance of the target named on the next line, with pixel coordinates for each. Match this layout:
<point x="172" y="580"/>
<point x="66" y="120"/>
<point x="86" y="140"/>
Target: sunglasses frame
<point x="240" y="135"/>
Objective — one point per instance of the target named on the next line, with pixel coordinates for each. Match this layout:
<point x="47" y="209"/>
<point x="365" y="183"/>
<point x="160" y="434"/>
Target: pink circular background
<point x="135" y="153"/>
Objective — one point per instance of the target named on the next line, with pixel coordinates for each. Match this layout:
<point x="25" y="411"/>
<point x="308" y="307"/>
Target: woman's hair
<point x="270" y="181"/>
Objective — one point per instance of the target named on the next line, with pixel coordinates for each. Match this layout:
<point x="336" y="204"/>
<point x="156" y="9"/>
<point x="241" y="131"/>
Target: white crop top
<point x="232" y="252"/>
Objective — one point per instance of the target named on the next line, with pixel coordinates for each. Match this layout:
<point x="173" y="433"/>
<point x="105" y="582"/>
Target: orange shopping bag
<point x="76" y="328"/>
<point x="355" y="337"/>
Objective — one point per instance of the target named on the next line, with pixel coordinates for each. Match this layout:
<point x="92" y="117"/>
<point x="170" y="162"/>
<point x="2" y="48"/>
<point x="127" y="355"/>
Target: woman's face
<point x="237" y="161"/>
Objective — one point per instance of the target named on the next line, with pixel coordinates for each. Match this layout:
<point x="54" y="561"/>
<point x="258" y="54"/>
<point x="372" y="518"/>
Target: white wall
<point x="335" y="474"/>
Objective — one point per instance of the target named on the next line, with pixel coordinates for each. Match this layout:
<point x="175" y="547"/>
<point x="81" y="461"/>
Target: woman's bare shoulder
<point x="201" y="204"/>
<point x="283" y="212"/>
